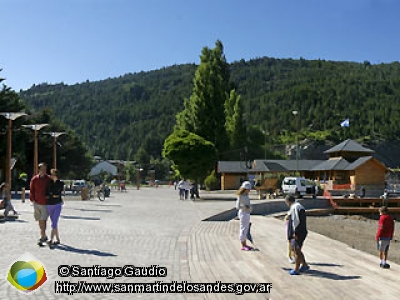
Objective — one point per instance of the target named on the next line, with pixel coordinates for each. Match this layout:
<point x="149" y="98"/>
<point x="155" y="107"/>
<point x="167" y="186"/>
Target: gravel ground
<point x="356" y="231"/>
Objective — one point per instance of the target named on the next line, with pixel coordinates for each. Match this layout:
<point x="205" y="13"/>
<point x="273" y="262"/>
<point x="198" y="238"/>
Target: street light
<point x="10" y="116"/>
<point x="35" y="128"/>
<point x="265" y="132"/>
<point x="55" y="135"/>
<point x="138" y="178"/>
<point x="296" y="114"/>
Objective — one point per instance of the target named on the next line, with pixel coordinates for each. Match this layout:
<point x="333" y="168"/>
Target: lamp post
<point x="35" y="128"/>
<point x="138" y="178"/>
<point x="10" y="116"/>
<point x="265" y="132"/>
<point x="55" y="135"/>
<point x="296" y="114"/>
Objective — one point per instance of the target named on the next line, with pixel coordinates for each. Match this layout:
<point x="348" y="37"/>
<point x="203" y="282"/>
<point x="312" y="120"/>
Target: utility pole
<point x="10" y="116"/>
<point x="35" y="128"/>
<point x="296" y="114"/>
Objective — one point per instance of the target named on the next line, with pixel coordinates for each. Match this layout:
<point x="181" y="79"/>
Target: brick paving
<point x="152" y="227"/>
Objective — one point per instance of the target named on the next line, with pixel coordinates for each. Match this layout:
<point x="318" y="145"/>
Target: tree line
<point x="130" y="117"/>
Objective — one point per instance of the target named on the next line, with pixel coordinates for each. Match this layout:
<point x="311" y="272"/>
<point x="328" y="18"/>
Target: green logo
<point x="26" y="274"/>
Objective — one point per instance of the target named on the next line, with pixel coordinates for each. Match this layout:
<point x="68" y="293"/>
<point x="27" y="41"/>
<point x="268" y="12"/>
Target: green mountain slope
<point x="115" y="117"/>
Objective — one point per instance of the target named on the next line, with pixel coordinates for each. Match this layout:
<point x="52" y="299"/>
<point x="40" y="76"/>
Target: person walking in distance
<point x="243" y="207"/>
<point x="5" y="202"/>
<point x="54" y="191"/>
<point x="297" y="233"/>
<point x="38" y="186"/>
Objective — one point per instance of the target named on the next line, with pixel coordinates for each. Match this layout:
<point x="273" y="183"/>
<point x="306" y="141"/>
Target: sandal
<point x="304" y="268"/>
<point x="294" y="272"/>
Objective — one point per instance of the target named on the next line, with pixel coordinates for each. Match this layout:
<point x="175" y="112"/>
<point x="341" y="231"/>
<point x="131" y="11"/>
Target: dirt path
<point x="355" y="231"/>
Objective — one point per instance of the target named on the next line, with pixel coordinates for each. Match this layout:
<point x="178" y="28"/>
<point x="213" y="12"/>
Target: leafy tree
<point x="117" y="115"/>
<point x="73" y="159"/>
<point x="204" y="112"/>
<point x="142" y="157"/>
<point x="212" y="183"/>
<point x="234" y="121"/>
<point x="191" y="154"/>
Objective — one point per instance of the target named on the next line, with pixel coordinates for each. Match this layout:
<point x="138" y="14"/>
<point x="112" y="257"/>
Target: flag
<point x="345" y="123"/>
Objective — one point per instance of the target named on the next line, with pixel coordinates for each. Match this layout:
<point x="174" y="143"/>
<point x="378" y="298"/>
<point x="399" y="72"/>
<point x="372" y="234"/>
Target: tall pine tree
<point x="204" y="112"/>
<point x="234" y="121"/>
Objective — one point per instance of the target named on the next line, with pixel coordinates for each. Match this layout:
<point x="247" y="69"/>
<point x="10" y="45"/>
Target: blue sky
<point x="72" y="41"/>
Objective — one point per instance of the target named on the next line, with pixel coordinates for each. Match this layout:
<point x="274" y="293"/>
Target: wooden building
<point x="349" y="166"/>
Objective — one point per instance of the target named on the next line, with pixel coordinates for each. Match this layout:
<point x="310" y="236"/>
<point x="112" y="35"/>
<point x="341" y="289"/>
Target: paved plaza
<point x="152" y="227"/>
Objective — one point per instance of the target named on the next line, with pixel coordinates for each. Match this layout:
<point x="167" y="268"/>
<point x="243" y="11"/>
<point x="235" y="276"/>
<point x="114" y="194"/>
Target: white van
<point x="298" y="186"/>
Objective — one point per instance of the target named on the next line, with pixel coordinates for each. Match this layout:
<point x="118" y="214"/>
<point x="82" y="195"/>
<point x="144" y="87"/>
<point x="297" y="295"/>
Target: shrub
<point x="212" y="182"/>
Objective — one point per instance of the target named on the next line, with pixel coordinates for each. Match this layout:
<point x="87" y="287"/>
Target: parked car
<point x="298" y="186"/>
<point x="78" y="185"/>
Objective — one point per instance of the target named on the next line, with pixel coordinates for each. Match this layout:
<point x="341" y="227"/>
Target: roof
<point x="332" y="164"/>
<point x="361" y="161"/>
<point x="104" y="166"/>
<point x="121" y="162"/>
<point x="349" y="146"/>
<point x="232" y="167"/>
<point x="260" y="165"/>
<point x="283" y="165"/>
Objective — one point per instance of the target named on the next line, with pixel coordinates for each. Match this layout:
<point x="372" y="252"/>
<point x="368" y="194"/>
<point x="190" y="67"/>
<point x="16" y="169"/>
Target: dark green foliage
<point x="204" y="111"/>
<point x="234" y="121"/>
<point x="211" y="182"/>
<point x="73" y="159"/>
<point x="191" y="154"/>
<point x="114" y="117"/>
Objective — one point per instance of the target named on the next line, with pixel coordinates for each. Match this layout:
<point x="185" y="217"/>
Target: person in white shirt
<point x="243" y="207"/>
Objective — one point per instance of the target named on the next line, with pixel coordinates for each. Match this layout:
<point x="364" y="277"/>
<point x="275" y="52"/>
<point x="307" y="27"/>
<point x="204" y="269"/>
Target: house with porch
<point x="349" y="166"/>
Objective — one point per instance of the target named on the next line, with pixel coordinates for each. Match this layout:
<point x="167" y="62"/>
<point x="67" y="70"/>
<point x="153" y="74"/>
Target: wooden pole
<point x="35" y="154"/>
<point x="8" y="158"/>
<point x="55" y="152"/>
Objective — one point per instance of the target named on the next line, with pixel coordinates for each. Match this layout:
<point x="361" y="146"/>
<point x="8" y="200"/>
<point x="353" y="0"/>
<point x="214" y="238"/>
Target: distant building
<point x="114" y="167"/>
<point x="103" y="166"/>
<point x="349" y="166"/>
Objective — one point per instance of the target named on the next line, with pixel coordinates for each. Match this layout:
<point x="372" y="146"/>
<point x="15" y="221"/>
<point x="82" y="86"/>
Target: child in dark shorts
<point x="297" y="232"/>
<point x="384" y="235"/>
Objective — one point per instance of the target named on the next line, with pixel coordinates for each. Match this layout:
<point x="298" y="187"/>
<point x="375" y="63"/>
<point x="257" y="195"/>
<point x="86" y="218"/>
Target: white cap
<point x="246" y="185"/>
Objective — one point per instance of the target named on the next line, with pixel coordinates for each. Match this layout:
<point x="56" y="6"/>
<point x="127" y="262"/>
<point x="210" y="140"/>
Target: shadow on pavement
<point x="80" y="218"/>
<point x="83" y="251"/>
<point x="325" y="264"/>
<point x="2" y="220"/>
<point x="93" y="210"/>
<point x="327" y="275"/>
<point x="117" y="205"/>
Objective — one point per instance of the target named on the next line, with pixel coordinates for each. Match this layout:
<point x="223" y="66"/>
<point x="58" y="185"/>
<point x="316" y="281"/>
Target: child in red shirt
<point x="384" y="235"/>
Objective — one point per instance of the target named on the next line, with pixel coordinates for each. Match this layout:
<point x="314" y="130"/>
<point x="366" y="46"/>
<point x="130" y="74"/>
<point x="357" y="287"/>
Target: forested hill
<point x="115" y="117"/>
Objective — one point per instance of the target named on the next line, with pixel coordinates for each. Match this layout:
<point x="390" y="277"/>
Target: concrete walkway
<point x="152" y="227"/>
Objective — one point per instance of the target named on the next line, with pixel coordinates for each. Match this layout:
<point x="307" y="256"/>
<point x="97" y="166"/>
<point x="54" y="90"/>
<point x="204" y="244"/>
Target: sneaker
<point x="385" y="266"/>
<point x="43" y="239"/>
<point x="246" y="248"/>
<point x="56" y="242"/>
<point x="304" y="268"/>
<point x="294" y="272"/>
<point x="292" y="260"/>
